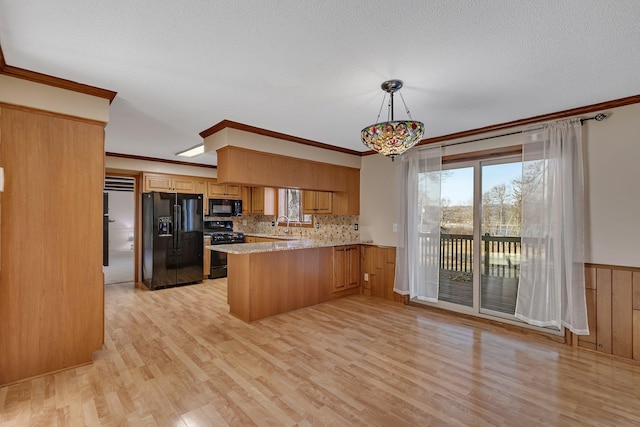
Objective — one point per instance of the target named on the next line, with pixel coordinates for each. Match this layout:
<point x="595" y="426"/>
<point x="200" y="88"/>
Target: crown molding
<point x="48" y="80"/>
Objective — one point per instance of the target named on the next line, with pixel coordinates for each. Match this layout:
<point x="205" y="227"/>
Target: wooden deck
<point x="496" y="293"/>
<point x="175" y="357"/>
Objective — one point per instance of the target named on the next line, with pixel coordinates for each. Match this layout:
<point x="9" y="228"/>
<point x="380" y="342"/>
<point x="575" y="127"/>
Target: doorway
<point x="480" y="237"/>
<point x="120" y="230"/>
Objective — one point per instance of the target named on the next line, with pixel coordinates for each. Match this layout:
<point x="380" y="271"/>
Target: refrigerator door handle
<point x="176" y="226"/>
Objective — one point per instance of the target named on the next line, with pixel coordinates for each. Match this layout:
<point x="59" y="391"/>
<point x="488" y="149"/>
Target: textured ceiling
<point x="313" y="69"/>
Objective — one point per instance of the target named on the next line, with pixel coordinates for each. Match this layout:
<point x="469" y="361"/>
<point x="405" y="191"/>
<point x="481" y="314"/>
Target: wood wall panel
<point x="591" y="315"/>
<point x="636" y="334"/>
<point x="379" y="263"/>
<point x="51" y="287"/>
<point x="636" y="290"/>
<point x="603" y="302"/>
<point x="590" y="278"/>
<point x="622" y="315"/>
<point x="613" y="302"/>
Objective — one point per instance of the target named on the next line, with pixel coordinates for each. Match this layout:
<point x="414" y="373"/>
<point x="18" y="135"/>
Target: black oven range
<point x="221" y="233"/>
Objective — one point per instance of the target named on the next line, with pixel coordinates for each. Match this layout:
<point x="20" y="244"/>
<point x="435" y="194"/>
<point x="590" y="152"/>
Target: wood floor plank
<point x="176" y="357"/>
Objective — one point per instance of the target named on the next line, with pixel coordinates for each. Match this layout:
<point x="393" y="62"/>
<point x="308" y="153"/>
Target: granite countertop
<point x="285" y="245"/>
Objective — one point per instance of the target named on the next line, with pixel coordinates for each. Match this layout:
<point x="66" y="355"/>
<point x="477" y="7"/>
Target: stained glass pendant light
<point x="394" y="137"/>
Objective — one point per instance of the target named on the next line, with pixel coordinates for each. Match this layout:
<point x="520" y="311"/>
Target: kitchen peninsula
<point x="269" y="278"/>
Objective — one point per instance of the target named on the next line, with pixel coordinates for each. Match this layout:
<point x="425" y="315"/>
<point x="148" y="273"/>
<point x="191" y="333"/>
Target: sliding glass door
<point x="480" y="237"/>
<point x="456" y="236"/>
<point x="500" y="237"/>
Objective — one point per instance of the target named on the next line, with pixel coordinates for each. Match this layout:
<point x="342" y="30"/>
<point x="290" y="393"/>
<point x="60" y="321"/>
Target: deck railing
<point x="454" y="252"/>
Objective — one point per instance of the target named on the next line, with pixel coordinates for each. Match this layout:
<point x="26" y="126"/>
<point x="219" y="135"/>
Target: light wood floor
<point x="175" y="357"/>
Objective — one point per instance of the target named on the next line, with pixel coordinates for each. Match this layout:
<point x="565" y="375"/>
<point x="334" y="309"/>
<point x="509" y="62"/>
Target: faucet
<point x="286" y="230"/>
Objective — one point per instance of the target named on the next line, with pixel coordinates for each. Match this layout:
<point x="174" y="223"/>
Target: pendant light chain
<point x="381" y="105"/>
<point x="405" y="105"/>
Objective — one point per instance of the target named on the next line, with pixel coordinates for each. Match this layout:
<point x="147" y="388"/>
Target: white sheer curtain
<point x="551" y="290"/>
<point x="418" y="252"/>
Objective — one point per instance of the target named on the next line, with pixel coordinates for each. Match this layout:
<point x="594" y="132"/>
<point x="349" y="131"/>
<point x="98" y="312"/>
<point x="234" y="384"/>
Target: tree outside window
<point x="290" y="205"/>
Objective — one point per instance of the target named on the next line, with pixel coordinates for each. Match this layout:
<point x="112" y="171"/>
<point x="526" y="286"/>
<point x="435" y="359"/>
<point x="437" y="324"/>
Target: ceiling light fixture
<point x="192" y="152"/>
<point x="392" y="138"/>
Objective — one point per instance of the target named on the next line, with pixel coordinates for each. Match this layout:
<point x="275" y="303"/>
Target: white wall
<point x="379" y="189"/>
<point x="612" y="187"/>
<point x="49" y="98"/>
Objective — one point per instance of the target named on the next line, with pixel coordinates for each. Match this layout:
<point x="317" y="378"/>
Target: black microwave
<point x="225" y="207"/>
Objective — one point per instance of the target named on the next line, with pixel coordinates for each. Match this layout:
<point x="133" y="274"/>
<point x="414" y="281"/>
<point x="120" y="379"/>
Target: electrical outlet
<point x="355" y="227"/>
<point x="244" y="222"/>
<point x="395" y="228"/>
<point x="366" y="277"/>
<point x="273" y="223"/>
<point x="317" y="225"/>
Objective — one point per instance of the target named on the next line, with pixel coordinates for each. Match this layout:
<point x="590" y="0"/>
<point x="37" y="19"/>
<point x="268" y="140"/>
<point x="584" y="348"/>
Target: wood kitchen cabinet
<point x="263" y="200"/>
<point x="346" y="267"/>
<point x="223" y="191"/>
<point x="277" y="171"/>
<point x="169" y="183"/>
<point x="52" y="315"/>
<point x="206" y="257"/>
<point x="317" y="202"/>
<point x="201" y="188"/>
<point x="245" y="196"/>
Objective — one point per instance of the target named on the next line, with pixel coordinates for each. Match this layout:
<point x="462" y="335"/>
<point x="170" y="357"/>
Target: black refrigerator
<point x="172" y="241"/>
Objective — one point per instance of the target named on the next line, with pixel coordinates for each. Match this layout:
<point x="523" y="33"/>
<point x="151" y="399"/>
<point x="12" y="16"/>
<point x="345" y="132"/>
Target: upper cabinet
<point x="171" y="183"/>
<point x="317" y="202"/>
<point x="263" y="200"/>
<point x="255" y="168"/>
<point x="246" y="200"/>
<point x="223" y="191"/>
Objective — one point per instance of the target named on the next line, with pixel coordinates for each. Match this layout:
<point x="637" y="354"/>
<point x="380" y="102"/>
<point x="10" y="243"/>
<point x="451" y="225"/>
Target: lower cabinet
<point x="206" y="258"/>
<point x="346" y="268"/>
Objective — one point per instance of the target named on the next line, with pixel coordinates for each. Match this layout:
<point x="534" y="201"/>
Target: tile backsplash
<point x="330" y="226"/>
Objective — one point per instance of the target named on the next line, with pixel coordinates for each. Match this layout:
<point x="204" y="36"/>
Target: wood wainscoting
<point x="613" y="306"/>
<point x="377" y="273"/>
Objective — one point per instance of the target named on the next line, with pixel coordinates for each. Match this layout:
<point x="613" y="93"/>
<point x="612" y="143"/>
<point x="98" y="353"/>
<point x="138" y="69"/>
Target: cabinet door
<point x="184" y="185"/>
<point x="201" y="187"/>
<point x="233" y="191"/>
<point x="223" y="191"/>
<point x="215" y="190"/>
<point x="353" y="270"/>
<point x="246" y="200"/>
<point x="340" y="265"/>
<point x="323" y="202"/>
<point x="316" y="202"/>
<point x="263" y="201"/>
<point x="257" y="200"/>
<point x="308" y="202"/>
<point x="157" y="183"/>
